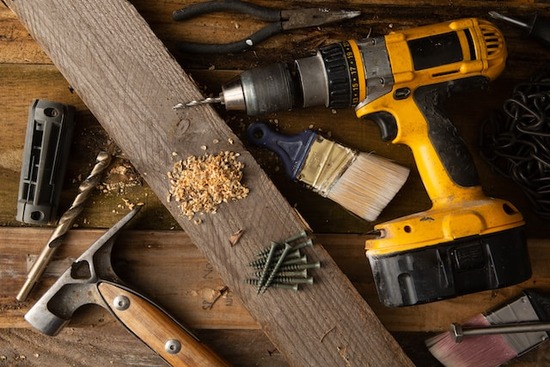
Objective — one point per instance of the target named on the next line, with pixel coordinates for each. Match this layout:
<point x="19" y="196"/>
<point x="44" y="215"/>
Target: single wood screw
<point x="267" y="264"/>
<point x="299" y="274"/>
<point x="277" y="266"/>
<point x="275" y="284"/>
<point x="293" y="280"/>
<point x="295" y="267"/>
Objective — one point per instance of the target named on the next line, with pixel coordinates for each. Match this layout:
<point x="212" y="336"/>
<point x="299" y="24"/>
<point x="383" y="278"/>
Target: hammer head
<point x="78" y="284"/>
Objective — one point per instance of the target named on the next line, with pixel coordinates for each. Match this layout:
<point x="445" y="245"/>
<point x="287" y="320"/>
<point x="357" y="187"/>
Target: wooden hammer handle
<point x="157" y="329"/>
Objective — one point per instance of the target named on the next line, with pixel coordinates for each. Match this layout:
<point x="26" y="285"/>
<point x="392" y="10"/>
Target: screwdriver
<point x="536" y="27"/>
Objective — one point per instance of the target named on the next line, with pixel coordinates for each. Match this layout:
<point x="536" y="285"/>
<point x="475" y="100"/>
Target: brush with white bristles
<point x="496" y="337"/>
<point x="362" y="183"/>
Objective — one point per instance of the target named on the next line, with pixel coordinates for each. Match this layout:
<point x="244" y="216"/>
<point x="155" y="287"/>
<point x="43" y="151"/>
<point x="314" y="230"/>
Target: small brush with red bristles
<point x="494" y="338"/>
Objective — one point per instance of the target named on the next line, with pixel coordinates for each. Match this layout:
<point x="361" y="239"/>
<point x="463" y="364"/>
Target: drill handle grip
<point x="443" y="135"/>
<point x="417" y="120"/>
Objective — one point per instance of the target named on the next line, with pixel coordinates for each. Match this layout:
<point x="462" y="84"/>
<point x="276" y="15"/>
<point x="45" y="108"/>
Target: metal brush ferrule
<point x="325" y="163"/>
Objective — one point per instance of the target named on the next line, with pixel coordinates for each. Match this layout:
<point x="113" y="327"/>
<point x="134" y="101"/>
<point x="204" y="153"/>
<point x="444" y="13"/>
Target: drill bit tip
<point x="209" y="100"/>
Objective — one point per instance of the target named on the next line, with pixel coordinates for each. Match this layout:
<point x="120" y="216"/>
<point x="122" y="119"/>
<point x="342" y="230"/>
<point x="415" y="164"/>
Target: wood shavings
<point x="235" y="237"/>
<point x="343" y="352"/>
<point x="202" y="183"/>
<point x="328" y="332"/>
<point x="121" y="177"/>
<point x="220" y="293"/>
<point x="129" y="204"/>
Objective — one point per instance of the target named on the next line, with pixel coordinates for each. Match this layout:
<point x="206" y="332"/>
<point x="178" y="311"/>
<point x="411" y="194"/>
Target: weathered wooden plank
<point x="125" y="76"/>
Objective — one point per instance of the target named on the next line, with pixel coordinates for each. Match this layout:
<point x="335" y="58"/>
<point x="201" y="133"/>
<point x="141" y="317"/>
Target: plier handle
<point x="281" y="20"/>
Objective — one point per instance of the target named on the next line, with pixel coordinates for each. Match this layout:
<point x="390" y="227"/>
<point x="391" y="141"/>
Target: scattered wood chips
<point x="202" y="183"/>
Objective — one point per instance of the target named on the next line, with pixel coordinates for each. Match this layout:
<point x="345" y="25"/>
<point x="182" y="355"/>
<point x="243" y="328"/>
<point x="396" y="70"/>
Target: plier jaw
<point x="314" y="17"/>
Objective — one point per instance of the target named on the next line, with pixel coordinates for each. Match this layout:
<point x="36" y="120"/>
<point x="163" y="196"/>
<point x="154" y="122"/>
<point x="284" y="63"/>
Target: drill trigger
<point x="386" y="123"/>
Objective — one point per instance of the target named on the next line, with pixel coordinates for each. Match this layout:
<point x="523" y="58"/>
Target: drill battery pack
<point x="447" y="270"/>
<point x="47" y="143"/>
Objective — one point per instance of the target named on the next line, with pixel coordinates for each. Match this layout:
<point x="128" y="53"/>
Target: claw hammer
<point x="91" y="280"/>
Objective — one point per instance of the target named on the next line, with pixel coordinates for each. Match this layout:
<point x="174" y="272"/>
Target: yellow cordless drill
<point x="466" y="242"/>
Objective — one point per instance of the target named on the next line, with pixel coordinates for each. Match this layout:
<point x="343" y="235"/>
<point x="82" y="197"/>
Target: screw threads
<point x="293" y="280"/>
<point x="274" y="284"/>
<point x="295" y="267"/>
<point x="261" y="261"/>
<point x="299" y="274"/>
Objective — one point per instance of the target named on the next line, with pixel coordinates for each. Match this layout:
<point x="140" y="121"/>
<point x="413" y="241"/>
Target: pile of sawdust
<point x="202" y="183"/>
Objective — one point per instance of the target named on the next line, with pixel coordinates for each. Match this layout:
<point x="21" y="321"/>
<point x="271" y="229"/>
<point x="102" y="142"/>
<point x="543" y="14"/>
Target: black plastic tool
<point x="536" y="27"/>
<point x="47" y="144"/>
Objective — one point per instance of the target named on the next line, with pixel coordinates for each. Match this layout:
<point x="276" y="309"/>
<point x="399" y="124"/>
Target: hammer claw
<point x="77" y="285"/>
<point x="92" y="280"/>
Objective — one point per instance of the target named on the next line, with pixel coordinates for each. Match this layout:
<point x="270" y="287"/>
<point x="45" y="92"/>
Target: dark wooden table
<point x="163" y="260"/>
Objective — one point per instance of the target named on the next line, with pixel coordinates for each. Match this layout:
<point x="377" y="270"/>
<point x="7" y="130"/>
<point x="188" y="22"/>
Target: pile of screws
<point x="282" y="265"/>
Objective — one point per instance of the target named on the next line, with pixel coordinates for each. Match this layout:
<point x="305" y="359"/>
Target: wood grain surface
<point x="167" y="265"/>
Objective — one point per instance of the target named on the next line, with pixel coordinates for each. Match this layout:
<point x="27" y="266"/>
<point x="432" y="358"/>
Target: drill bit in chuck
<point x="210" y="100"/>
<point x="64" y="225"/>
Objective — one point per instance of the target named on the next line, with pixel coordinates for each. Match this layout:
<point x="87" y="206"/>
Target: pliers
<point x="282" y="20"/>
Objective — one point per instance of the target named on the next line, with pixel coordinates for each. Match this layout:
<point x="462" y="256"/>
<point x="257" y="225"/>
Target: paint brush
<point x="360" y="182"/>
<point x="494" y="338"/>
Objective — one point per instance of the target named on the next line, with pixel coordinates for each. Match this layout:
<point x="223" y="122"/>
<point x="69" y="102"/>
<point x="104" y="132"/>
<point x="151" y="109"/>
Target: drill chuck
<point x="260" y="91"/>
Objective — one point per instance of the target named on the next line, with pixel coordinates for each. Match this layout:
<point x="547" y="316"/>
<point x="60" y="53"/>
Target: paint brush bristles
<point x="475" y="351"/>
<point x="362" y="183"/>
<point x="368" y="185"/>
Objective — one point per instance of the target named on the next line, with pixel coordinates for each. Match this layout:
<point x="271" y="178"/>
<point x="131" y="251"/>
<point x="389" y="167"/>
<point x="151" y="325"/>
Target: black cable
<point x="515" y="140"/>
